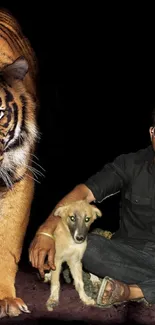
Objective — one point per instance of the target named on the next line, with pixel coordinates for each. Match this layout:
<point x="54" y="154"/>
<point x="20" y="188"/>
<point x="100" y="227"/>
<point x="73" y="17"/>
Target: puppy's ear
<point x="61" y="211"/>
<point x="98" y="212"/>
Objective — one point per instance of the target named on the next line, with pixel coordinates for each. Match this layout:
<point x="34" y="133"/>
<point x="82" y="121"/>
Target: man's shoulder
<point x="126" y="160"/>
<point x="140" y="155"/>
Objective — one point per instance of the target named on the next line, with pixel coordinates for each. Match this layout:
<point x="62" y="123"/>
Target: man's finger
<point x="33" y="255"/>
<point x="41" y="271"/>
<point x="30" y="256"/>
<point x="35" y="258"/>
<point x="41" y="258"/>
<point x="46" y="267"/>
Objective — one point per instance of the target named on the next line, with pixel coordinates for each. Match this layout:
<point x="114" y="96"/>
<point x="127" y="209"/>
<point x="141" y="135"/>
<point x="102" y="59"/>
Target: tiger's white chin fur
<point x="16" y="157"/>
<point x="18" y="160"/>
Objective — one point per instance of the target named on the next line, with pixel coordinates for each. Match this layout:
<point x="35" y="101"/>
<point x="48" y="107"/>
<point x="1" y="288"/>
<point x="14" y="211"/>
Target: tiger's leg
<point x="14" y="215"/>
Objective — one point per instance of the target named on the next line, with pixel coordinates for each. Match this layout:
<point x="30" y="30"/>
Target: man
<point x="127" y="261"/>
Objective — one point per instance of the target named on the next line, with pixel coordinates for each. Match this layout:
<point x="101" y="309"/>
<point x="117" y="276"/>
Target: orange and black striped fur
<point x="18" y="135"/>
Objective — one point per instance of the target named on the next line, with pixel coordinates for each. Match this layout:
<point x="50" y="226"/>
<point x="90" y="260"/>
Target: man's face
<point x="152" y="136"/>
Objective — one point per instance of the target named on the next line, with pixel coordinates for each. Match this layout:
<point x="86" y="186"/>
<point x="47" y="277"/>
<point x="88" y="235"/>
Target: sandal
<point x="118" y="294"/>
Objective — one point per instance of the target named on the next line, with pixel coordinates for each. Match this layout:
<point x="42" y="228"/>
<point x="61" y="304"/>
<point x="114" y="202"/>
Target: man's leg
<point x="133" y="267"/>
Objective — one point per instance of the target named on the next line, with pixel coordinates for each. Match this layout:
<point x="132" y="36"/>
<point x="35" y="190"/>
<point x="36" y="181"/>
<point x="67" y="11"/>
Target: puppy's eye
<point x="87" y="219"/>
<point x="72" y="218"/>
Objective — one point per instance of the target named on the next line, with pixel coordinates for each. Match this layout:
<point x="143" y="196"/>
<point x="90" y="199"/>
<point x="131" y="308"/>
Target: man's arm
<point x="110" y="179"/>
<point x="43" y="245"/>
<point x="105" y="183"/>
<point x="80" y="192"/>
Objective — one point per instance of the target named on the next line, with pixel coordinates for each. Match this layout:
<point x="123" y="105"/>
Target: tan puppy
<point x="71" y="242"/>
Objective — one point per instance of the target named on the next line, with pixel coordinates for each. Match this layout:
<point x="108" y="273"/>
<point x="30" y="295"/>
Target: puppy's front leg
<point x="76" y="271"/>
<point x="53" y="299"/>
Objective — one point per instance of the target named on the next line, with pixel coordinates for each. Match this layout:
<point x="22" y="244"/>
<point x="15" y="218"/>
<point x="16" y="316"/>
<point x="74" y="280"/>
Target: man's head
<point x="152" y="129"/>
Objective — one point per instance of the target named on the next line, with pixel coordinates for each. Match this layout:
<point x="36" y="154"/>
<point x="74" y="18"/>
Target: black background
<point x="97" y="89"/>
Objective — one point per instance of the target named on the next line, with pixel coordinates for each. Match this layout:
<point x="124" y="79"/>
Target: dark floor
<point x="71" y="309"/>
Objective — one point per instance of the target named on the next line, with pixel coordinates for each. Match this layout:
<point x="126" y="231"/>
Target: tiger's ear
<point x="17" y="69"/>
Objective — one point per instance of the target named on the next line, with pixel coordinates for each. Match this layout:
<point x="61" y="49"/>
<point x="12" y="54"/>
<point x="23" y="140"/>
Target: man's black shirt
<point x="133" y="175"/>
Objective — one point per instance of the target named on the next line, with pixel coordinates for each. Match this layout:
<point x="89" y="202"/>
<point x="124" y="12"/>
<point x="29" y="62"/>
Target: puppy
<point x="70" y="243"/>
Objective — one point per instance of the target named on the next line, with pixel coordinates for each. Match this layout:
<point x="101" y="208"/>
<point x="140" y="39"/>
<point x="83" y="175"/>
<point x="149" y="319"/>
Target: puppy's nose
<point x="79" y="238"/>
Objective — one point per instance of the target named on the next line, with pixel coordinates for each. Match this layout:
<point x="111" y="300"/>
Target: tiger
<point x="19" y="134"/>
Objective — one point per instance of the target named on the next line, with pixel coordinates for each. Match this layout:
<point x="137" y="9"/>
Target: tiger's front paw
<point x="12" y="307"/>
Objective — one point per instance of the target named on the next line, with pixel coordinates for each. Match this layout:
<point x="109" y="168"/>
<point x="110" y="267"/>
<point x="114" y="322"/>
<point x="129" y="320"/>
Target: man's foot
<point x="114" y="292"/>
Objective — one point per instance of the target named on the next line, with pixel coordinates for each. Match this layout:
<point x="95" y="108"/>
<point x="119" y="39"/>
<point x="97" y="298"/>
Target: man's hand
<point x="40" y="248"/>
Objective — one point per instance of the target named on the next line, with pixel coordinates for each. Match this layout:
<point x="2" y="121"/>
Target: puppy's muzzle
<point x="79" y="239"/>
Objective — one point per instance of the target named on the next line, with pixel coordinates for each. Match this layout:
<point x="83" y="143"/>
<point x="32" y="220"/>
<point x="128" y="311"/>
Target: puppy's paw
<point x="47" y="277"/>
<point x="51" y="304"/>
<point x="89" y="301"/>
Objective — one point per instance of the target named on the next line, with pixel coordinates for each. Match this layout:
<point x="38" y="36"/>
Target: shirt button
<point x="136" y="201"/>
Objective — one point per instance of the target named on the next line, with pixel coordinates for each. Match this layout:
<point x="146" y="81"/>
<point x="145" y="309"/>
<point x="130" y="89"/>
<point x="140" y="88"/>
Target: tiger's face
<point x="10" y="119"/>
<point x="18" y="131"/>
